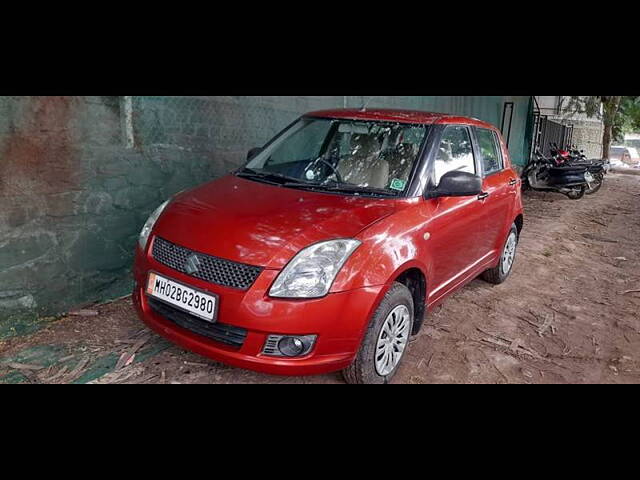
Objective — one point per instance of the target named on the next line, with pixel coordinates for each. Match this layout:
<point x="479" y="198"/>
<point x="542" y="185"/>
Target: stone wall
<point x="587" y="132"/>
<point x="74" y="194"/>
<point x="587" y="135"/>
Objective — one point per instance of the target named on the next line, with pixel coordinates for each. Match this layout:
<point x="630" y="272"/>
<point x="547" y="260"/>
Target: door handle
<point x="512" y="182"/>
<point x="483" y="196"/>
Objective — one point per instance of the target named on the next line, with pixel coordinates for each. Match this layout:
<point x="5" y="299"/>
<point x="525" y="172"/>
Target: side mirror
<point x="457" y="184"/>
<point x="253" y="152"/>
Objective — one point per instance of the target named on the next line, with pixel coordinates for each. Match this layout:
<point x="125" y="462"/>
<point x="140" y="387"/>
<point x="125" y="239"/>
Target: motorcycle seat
<point x="569" y="169"/>
<point x="593" y="167"/>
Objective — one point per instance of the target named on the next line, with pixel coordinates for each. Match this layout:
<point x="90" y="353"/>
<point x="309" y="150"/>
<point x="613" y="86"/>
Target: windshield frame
<point x="410" y="190"/>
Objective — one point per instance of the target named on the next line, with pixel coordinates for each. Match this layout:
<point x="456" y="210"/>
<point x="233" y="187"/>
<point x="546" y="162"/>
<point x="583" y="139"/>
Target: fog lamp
<point x="288" y="346"/>
<point x="291" y="346"/>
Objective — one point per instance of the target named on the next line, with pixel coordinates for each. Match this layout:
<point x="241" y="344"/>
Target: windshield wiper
<point x="310" y="185"/>
<point x="340" y="187"/>
<point x="276" y="178"/>
<point x="346" y="187"/>
<point x="332" y="186"/>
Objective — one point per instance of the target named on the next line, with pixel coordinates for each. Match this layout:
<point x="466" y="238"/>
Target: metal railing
<point x="547" y="132"/>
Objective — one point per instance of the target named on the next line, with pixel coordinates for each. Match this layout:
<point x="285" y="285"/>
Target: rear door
<point x="499" y="183"/>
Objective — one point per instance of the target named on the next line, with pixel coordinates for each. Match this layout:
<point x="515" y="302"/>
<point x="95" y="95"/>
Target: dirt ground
<point x="566" y="315"/>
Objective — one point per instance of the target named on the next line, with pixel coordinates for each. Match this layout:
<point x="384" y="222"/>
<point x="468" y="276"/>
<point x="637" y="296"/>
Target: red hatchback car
<point x="327" y="248"/>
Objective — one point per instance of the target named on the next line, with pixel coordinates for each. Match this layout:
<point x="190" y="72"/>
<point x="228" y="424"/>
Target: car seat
<point x="364" y="166"/>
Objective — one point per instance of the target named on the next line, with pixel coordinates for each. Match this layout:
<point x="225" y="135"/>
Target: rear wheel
<point x="501" y="272"/>
<point x="386" y="339"/>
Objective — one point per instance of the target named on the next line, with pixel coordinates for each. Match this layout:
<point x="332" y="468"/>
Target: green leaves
<point x="629" y="115"/>
<point x="620" y="113"/>
<point x="591" y="106"/>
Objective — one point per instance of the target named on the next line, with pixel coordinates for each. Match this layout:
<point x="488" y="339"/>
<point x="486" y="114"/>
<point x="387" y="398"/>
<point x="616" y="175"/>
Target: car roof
<point x="400" y="116"/>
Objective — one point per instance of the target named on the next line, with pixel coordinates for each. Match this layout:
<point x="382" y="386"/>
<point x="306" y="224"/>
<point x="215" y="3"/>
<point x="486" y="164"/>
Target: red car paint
<point x="450" y="240"/>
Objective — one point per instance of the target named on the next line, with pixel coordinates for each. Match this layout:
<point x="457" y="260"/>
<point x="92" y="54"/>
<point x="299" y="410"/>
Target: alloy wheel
<point x="509" y="253"/>
<point x="392" y="340"/>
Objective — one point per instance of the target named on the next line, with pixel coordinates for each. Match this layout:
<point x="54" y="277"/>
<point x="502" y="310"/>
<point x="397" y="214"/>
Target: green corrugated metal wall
<point x="487" y="108"/>
<point x="228" y="125"/>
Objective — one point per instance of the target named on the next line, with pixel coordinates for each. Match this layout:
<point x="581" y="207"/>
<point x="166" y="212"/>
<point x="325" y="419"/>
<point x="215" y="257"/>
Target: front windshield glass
<point x="348" y="154"/>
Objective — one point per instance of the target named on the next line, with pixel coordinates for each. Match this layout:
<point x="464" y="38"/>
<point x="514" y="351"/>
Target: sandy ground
<point x="565" y="316"/>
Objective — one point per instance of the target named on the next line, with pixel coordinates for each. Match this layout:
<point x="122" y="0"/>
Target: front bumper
<point x="339" y="321"/>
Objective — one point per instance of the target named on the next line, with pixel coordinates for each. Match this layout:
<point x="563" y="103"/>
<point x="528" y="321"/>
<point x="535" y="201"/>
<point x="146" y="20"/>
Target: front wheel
<point x="501" y="272"/>
<point x="595" y="185"/>
<point x="577" y="194"/>
<point x="386" y="339"/>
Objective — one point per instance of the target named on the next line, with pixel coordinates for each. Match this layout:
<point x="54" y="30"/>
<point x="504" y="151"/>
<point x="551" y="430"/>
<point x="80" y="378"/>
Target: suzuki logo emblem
<point x="192" y="265"/>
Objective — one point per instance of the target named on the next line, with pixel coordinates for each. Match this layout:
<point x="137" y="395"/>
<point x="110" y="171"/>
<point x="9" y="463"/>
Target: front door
<point x="457" y="223"/>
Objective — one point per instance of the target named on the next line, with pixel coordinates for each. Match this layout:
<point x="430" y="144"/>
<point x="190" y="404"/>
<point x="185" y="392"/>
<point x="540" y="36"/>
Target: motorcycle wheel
<point x="577" y="194"/>
<point x="595" y="186"/>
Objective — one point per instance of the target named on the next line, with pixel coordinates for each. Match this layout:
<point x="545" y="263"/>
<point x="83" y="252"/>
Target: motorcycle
<point x="577" y="155"/>
<point x="574" y="157"/>
<point x="546" y="175"/>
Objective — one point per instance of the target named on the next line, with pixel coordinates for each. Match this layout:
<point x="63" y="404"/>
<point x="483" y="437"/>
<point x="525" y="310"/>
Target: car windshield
<point x="346" y="156"/>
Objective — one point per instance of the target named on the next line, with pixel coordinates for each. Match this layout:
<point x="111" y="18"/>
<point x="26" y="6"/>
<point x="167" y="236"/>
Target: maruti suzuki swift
<point x="326" y="250"/>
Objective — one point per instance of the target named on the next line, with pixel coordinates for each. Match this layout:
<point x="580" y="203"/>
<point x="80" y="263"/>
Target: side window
<point x="455" y="153"/>
<point x="491" y="155"/>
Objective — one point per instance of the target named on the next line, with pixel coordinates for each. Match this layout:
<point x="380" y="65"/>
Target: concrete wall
<point x="73" y="195"/>
<point x="587" y="135"/>
<point x="587" y="132"/>
<point x="548" y="105"/>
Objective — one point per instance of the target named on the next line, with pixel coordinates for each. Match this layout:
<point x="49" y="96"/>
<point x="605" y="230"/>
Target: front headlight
<point x="148" y="226"/>
<point x="312" y="271"/>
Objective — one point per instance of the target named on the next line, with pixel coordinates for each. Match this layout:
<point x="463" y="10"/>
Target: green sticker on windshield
<point x="397" y="184"/>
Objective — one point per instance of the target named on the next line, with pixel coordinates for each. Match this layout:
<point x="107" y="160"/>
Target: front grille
<point x="219" y="332"/>
<point x="210" y="269"/>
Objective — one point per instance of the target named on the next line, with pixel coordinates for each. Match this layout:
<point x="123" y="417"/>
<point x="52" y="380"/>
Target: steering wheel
<point x="323" y="161"/>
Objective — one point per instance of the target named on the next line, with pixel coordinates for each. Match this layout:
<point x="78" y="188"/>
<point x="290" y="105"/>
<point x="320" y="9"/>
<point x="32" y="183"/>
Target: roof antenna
<point x="365" y="105"/>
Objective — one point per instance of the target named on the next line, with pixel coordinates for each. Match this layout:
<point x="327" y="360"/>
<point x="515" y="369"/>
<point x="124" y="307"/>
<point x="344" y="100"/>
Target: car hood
<point x="261" y="224"/>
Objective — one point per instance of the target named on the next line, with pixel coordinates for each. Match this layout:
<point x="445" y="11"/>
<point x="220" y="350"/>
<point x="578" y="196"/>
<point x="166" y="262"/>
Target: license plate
<point x="196" y="302"/>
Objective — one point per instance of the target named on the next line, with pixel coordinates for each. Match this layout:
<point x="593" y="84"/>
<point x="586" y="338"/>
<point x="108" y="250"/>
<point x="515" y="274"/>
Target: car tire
<point x="501" y="272"/>
<point x="369" y="368"/>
